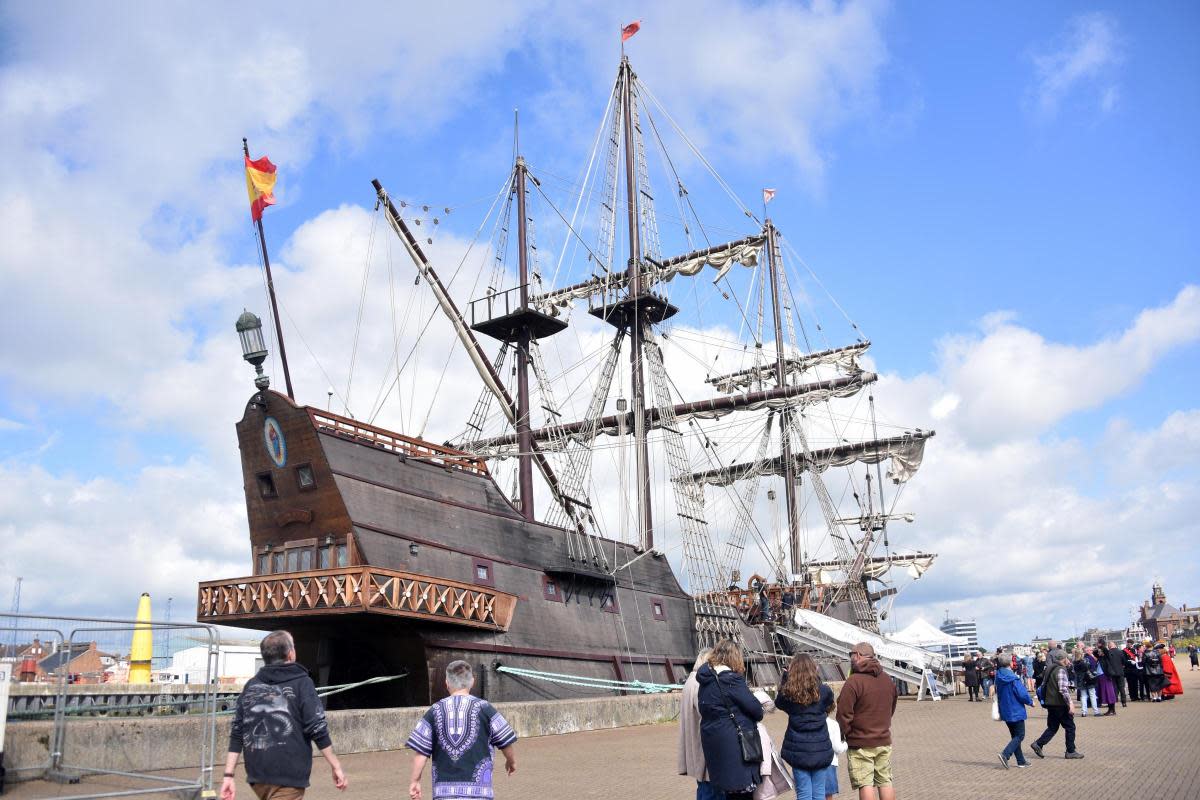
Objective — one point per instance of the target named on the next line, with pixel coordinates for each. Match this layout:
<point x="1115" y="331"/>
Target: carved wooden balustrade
<point x="350" y="590"/>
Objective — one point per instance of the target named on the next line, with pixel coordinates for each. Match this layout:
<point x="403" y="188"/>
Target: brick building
<point x="1163" y="620"/>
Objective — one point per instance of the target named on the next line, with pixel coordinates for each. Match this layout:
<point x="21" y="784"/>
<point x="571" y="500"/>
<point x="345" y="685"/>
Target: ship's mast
<point x="524" y="437"/>
<point x="785" y="427"/>
<point x="635" y="318"/>
<point x="262" y="240"/>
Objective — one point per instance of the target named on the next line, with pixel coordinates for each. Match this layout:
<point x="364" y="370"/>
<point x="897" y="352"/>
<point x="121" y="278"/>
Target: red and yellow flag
<point x="260" y="185"/>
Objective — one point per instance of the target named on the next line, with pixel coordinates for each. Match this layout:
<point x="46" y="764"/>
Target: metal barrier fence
<point x="72" y="650"/>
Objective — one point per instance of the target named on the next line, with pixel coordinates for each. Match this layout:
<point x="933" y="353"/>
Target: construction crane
<point x="15" y="609"/>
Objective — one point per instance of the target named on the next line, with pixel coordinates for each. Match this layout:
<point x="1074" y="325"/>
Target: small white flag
<point x="768" y="195"/>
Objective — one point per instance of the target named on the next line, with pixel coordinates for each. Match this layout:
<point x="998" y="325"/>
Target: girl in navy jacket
<point x="806" y="745"/>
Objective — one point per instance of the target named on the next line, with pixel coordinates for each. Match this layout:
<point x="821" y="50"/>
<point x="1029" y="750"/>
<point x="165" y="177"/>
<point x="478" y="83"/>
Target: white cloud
<point x="1087" y="54"/>
<point x="11" y="425"/>
<point x="1014" y="383"/>
<point x="1037" y="533"/>
<point x="92" y="545"/>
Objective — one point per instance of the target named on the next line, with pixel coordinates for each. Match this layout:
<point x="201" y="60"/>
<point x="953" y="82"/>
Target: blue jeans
<point x="810" y="784"/>
<point x="1084" y="693"/>
<point x="1017" y="731"/>
<point x="706" y="790"/>
<point x="987" y="687"/>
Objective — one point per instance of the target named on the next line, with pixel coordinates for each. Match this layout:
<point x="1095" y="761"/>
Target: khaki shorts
<point x="267" y="791"/>
<point x="870" y="766"/>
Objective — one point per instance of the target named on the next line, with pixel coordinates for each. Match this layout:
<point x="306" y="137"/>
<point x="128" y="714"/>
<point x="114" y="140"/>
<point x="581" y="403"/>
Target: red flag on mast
<point x="629" y="30"/>
<point x="260" y="185"/>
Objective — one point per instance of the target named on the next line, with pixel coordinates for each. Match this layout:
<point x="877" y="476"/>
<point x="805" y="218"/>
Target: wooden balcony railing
<point x="395" y="442"/>
<point x="349" y="590"/>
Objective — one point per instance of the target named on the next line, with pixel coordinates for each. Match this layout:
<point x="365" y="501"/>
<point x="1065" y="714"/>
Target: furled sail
<point x="905" y="451"/>
<point x="914" y="564"/>
<point x="843" y="358"/>
<point x="779" y="397"/>
<point x="721" y="258"/>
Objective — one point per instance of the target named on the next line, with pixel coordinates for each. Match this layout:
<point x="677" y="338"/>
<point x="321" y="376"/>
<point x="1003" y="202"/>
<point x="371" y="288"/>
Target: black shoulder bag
<point x="751" y="745"/>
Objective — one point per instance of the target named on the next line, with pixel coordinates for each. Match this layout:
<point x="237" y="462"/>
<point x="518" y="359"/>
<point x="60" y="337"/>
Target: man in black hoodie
<point x="277" y="720"/>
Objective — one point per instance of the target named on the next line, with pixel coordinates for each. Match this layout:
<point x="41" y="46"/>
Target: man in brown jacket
<point x="864" y="713"/>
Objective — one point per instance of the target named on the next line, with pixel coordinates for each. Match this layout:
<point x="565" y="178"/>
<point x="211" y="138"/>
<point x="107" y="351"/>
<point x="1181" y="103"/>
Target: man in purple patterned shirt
<point x="458" y="733"/>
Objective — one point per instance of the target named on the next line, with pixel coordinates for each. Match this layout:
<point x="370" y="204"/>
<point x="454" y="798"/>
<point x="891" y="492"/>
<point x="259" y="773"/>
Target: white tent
<point x="921" y="634"/>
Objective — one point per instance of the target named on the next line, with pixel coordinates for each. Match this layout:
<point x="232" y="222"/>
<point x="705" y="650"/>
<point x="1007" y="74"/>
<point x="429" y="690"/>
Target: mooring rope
<point x="591" y="683"/>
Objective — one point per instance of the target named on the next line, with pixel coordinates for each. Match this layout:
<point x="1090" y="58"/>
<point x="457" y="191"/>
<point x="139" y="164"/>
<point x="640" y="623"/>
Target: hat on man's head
<point x="863" y="649"/>
<point x="1160" y="646"/>
<point x="1058" y="654"/>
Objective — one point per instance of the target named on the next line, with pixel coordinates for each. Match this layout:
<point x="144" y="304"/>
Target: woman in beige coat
<point x="691" y="754"/>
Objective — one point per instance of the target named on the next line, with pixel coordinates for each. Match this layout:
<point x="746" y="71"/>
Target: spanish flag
<point x="260" y="185"/>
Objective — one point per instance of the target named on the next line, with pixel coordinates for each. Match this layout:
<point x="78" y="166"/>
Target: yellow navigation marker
<point x="142" y="648"/>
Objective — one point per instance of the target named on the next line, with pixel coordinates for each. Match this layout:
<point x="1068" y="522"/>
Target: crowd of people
<point x="1059" y="680"/>
<point x="723" y="745"/>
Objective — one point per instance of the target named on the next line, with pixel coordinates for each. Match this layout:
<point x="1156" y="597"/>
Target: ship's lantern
<point x="254" y="349"/>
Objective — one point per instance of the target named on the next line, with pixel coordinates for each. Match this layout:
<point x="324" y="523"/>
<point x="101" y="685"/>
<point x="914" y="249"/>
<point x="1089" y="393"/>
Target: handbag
<point x="995" y="709"/>
<point x="748" y="741"/>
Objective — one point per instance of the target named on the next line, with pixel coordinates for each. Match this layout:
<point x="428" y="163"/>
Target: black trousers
<point x="1056" y="717"/>
<point x="973" y="692"/>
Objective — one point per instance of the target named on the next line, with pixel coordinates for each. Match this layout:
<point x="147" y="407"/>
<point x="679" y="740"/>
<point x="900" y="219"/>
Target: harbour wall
<point x="137" y="744"/>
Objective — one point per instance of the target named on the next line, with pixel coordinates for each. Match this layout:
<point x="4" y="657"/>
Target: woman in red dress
<point x="1174" y="685"/>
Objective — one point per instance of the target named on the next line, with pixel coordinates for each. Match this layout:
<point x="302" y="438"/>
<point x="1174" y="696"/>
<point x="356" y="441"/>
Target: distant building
<point x="82" y="663"/>
<point x="1041" y="642"/>
<point x="966" y="628"/>
<point x="236" y="663"/>
<point x="1162" y="620"/>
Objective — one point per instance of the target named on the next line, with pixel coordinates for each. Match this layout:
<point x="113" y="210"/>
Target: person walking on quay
<point x="1012" y="697"/>
<point x="971" y="676"/>
<point x="1059" y="705"/>
<point x="729" y="713"/>
<point x="691" y="753"/>
<point x="276" y="720"/>
<point x="864" y="714"/>
<point x="1111" y="661"/>
<point x="1194" y="656"/>
<point x="807" y="747"/>
<point x="1152" y="660"/>
<point x="458" y="733"/>
<point x="1084" y="666"/>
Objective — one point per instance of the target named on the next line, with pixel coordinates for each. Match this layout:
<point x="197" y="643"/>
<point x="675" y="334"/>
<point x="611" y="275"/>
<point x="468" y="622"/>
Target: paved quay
<point x="943" y="750"/>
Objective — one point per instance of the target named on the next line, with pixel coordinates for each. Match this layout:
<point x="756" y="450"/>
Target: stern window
<point x="305" y="479"/>
<point x="343" y="556"/>
<point x="550" y="589"/>
<point x="264" y="564"/>
<point x="484" y="572"/>
<point x="277" y="562"/>
<point x="659" y="608"/>
<point x="266" y="485"/>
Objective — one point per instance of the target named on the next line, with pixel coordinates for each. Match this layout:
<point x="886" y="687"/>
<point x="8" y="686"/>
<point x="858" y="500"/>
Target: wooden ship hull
<point x="384" y="554"/>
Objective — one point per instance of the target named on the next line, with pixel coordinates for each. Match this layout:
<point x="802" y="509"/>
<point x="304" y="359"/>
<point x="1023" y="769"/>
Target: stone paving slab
<point x="944" y="751"/>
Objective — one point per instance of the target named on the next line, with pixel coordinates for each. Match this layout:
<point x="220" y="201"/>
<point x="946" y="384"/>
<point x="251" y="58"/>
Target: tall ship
<point x="632" y="480"/>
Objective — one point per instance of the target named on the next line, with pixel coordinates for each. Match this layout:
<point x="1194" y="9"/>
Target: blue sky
<point x="978" y="187"/>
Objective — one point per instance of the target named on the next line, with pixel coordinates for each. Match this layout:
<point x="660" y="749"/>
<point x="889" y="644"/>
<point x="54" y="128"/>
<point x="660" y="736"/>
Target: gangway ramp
<point x="901" y="661"/>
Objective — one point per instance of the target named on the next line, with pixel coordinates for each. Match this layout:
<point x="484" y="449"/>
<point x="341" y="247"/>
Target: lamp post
<point x="254" y="349"/>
